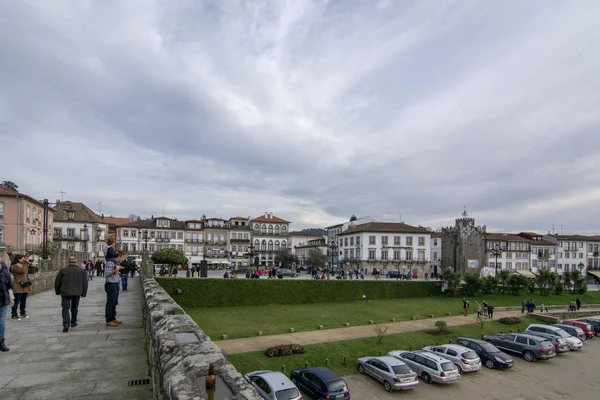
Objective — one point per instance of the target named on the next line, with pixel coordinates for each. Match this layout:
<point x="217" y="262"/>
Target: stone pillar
<point x="147" y="267"/>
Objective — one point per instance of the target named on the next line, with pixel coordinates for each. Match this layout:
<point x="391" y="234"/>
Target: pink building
<point x="22" y="221"/>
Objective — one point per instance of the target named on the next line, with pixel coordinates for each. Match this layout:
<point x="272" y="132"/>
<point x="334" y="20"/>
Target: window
<point x="352" y="241"/>
<point x="345" y="241"/>
<point x="409" y="241"/>
<point x="277" y="245"/>
<point x="509" y="255"/>
<point x="70" y="232"/>
<point x="409" y="255"/>
<point x="384" y="254"/>
<point x="371" y="240"/>
<point x="580" y="255"/>
<point x="263" y="245"/>
<point x="270" y="247"/>
<point x="567" y="255"/>
<point x="396" y="240"/>
<point x="1" y="235"/>
<point x="520" y="339"/>
<point x="263" y="229"/>
<point x="270" y="229"/>
<point x="580" y="245"/>
<point x="358" y="240"/>
<point x="508" y="265"/>
<point x="371" y="254"/>
<point x="559" y="255"/>
<point x="27" y="213"/>
<point x="384" y="240"/>
<point x="396" y="255"/>
<point x="421" y="255"/>
<point x="277" y="229"/>
<point x="421" y="240"/>
<point x="435" y="256"/>
<point x="125" y="233"/>
<point x="152" y="247"/>
<point x="435" y="242"/>
<point x="57" y="233"/>
<point x="283" y="245"/>
<point x="1" y="210"/>
<point x="173" y="234"/>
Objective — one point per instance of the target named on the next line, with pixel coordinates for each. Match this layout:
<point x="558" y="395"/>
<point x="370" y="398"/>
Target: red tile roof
<point x="262" y="218"/>
<point x="391" y="227"/>
<point x="303" y="234"/>
<point x="116" y="220"/>
<point x="507" y="237"/>
<point x="14" y="193"/>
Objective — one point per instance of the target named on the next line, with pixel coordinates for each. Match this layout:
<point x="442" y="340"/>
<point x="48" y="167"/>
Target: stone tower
<point x="463" y="242"/>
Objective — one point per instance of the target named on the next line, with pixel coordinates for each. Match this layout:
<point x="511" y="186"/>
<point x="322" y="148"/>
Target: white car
<point x="430" y="367"/>
<point x="273" y="385"/>
<point x="393" y="373"/>
<point x="574" y="343"/>
<point x="465" y="359"/>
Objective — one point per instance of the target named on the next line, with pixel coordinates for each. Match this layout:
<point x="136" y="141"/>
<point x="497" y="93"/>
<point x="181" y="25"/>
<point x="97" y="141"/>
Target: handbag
<point x="25" y="283"/>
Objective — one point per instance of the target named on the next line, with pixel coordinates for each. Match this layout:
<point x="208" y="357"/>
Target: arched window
<point x="283" y="245"/>
<point x="222" y="239"/>
<point x="283" y="228"/>
<point x="270" y="229"/>
<point x="257" y="227"/>
<point x="277" y="229"/>
<point x="263" y="246"/>
<point x="256" y="245"/>
<point x="208" y="237"/>
<point x="277" y="245"/>
<point x="270" y="245"/>
<point x="264" y="229"/>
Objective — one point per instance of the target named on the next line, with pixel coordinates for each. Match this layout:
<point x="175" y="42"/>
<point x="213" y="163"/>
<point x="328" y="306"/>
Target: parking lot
<point x="569" y="375"/>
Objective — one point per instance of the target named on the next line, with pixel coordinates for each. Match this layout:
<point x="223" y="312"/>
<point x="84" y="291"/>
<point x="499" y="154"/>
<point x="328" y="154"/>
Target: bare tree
<point x="380" y="330"/>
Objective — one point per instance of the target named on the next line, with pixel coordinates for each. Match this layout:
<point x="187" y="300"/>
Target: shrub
<point x="258" y="292"/>
<point x="509" y="320"/>
<point x="380" y="330"/>
<point x="441" y="325"/>
<point x="282" y="350"/>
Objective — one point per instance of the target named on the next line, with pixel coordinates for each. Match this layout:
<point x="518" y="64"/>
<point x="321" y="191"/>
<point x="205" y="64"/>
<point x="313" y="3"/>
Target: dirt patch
<point x="435" y="332"/>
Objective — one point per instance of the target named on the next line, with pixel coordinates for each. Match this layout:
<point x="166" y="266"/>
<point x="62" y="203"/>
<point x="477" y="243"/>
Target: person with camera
<point x="6" y="299"/>
<point x="22" y="286"/>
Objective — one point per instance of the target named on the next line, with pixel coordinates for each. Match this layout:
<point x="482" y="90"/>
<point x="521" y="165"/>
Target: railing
<point x="194" y="240"/>
<point x="162" y="239"/>
<point x="74" y="238"/>
<point x="240" y="240"/>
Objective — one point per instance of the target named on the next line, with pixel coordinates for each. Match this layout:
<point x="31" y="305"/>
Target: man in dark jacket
<point x="125" y="273"/>
<point x="71" y="284"/>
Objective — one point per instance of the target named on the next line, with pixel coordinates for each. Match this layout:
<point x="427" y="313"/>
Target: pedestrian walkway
<point x="235" y="346"/>
<point x="91" y="361"/>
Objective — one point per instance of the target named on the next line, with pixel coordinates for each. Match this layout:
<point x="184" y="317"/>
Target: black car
<point x="320" y="383"/>
<point x="396" y="275"/>
<point x="595" y="323"/>
<point x="490" y="355"/>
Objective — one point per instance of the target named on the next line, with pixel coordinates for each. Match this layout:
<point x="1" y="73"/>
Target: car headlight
<point x="500" y="360"/>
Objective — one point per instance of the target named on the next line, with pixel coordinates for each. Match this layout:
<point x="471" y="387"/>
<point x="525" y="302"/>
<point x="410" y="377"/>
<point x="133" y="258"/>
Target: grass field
<point x="239" y="322"/>
<point x="315" y="354"/>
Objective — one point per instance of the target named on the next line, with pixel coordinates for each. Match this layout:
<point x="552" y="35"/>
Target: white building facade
<point x="269" y="235"/>
<point x="78" y="228"/>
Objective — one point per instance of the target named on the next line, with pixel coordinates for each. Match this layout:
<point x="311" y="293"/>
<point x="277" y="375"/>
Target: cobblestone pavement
<point x="91" y="361"/>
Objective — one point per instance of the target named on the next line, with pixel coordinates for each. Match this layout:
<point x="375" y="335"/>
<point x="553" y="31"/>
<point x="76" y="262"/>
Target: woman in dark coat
<point x="6" y="300"/>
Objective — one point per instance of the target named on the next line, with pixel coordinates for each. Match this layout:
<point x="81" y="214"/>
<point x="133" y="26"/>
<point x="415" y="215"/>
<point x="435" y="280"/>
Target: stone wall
<point x="557" y="317"/>
<point x="47" y="269"/>
<point x="179" y="352"/>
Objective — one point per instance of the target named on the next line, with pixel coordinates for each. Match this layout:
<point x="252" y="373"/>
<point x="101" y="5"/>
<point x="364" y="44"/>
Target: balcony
<point x="162" y="240"/>
<point x="194" y="240"/>
<point x="74" y="238"/>
<point x="239" y="240"/>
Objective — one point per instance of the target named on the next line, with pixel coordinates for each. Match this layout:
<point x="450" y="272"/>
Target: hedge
<point x="255" y="292"/>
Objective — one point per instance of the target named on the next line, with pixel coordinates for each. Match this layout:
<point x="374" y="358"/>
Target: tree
<point x="316" y="258"/>
<point x="170" y="257"/>
<point x="133" y="217"/>
<point x="10" y="185"/>
<point x="577" y="282"/>
<point x="489" y="284"/>
<point x="284" y="258"/>
<point x="503" y="277"/>
<point x="545" y="280"/>
<point x="39" y="249"/>
<point x="472" y="285"/>
<point x="452" y="280"/>
<point x="516" y="283"/>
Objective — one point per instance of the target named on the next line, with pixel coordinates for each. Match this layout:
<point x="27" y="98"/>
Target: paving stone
<point x="60" y="391"/>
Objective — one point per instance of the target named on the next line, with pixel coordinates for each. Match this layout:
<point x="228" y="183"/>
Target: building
<point x="572" y="252"/>
<point x="77" y="228"/>
<point x="303" y="250"/>
<point x="152" y="233"/>
<point x="269" y="235"/>
<point x="194" y="241"/>
<point x="334" y="252"/>
<point x="385" y="246"/>
<point x="543" y="251"/>
<point x="22" y="222"/>
<point x="216" y="243"/>
<point x="509" y="251"/>
<point x="463" y="245"/>
<point x="299" y="238"/>
<point x="239" y="241"/>
<point x="436" y="253"/>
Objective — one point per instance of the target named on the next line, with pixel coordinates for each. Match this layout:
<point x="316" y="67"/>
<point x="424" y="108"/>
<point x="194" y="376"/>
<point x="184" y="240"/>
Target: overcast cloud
<point x="314" y="110"/>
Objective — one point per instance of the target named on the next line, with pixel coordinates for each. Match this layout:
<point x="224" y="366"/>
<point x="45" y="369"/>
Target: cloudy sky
<point x="314" y="110"/>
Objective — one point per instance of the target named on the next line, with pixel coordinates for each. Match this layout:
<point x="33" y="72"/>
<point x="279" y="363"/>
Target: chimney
<point x="102" y="215"/>
<point x="266" y="215"/>
<point x="270" y="215"/>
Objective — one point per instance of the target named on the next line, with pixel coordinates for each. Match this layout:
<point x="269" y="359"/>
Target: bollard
<point x="283" y="369"/>
<point x="345" y="361"/>
<point x="518" y="329"/>
<point x="450" y="341"/>
<point x="327" y="362"/>
<point x="510" y="331"/>
<point x="306" y="364"/>
<point x="409" y="348"/>
<point x="437" y="344"/>
<point x="379" y="354"/>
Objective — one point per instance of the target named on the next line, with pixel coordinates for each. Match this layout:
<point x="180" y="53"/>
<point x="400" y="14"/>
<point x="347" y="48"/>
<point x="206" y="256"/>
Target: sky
<point x="313" y="110"/>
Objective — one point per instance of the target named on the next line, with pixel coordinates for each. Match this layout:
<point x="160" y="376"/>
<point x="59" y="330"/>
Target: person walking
<point x="479" y="308"/>
<point x="125" y="272"/>
<point x="523" y="305"/>
<point x="490" y="311"/>
<point x="578" y="303"/>
<point x="21" y="286"/>
<point x="111" y="286"/>
<point x="6" y="300"/>
<point x="71" y="284"/>
<point x="542" y="307"/>
<point x="465" y="307"/>
<point x="89" y="270"/>
<point x="485" y="308"/>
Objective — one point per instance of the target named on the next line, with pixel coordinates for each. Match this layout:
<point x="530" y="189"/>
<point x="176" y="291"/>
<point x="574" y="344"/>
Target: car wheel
<point x="426" y="377"/>
<point x="361" y="369"/>
<point x="460" y="370"/>
<point x="387" y="386"/>
<point x="529" y="356"/>
<point x="597" y="333"/>
<point x="489" y="364"/>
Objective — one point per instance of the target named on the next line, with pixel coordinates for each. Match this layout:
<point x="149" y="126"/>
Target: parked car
<point x="573" y="342"/>
<point x="586" y="327"/>
<point x="273" y="385"/>
<point x="396" y="275"/>
<point x="491" y="356"/>
<point x="281" y="272"/>
<point x="320" y="383"/>
<point x="560" y="344"/>
<point x="529" y="346"/>
<point x="428" y="366"/>
<point x="393" y="373"/>
<point x="572" y="330"/>
<point x="465" y="359"/>
<point x="595" y="323"/>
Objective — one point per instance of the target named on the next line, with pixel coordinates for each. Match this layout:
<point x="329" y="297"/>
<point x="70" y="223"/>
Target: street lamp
<point x="358" y="248"/>
<point x="251" y="254"/>
<point x="333" y="246"/>
<point x="496" y="253"/>
<point x="580" y="265"/>
<point x="145" y="237"/>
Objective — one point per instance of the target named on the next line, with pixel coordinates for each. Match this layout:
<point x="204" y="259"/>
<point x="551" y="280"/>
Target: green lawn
<point x="239" y="322"/>
<point x="316" y="354"/>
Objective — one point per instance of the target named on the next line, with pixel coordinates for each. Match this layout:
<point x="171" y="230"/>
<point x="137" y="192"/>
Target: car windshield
<point x="401" y="369"/>
<point x="470" y="355"/>
<point x="490" y="348"/>
<point x="448" y="366"/>
<point x="561" y="340"/>
<point x="563" y="334"/>
<point x="337" y="385"/>
<point x="287" y="394"/>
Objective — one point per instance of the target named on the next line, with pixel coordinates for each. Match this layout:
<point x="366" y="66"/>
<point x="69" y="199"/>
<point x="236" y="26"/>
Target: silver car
<point x="273" y="385"/>
<point x="465" y="359"/>
<point x="428" y="366"/>
<point x="530" y="347"/>
<point x="574" y="343"/>
<point x="393" y="373"/>
<point x="572" y="330"/>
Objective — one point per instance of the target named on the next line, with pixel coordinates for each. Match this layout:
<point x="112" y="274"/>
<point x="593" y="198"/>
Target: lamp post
<point x="358" y="248"/>
<point x="333" y="252"/>
<point x="496" y="253"/>
<point x="580" y="265"/>
<point x="98" y="235"/>
<point x="251" y="254"/>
